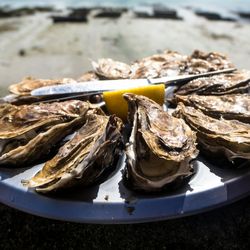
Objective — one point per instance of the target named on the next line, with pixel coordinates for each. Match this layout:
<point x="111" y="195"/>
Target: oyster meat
<point x="28" y="132"/>
<point x="160" y="147"/>
<point x="83" y="159"/>
<point x="232" y="107"/>
<point x="217" y="137"/>
<point x="231" y="83"/>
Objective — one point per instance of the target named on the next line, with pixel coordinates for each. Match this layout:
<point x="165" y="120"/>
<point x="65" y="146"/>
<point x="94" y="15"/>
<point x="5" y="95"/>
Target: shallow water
<point x="204" y="4"/>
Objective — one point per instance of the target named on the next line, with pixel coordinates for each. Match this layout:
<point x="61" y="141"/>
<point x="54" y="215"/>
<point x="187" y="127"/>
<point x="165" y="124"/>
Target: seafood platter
<point x="178" y="142"/>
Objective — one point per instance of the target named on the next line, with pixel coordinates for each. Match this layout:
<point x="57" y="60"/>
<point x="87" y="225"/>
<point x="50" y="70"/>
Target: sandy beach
<point x="33" y="46"/>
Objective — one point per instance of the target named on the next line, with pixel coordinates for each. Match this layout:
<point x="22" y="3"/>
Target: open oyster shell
<point x="21" y="92"/>
<point x="28" y="132"/>
<point x="201" y="62"/>
<point x="107" y="68"/>
<point x="160" y="147"/>
<point x="168" y="63"/>
<point x="88" y="76"/>
<point x="84" y="158"/>
<point x="228" y="106"/>
<point x="231" y="83"/>
<point x="219" y="137"/>
<point x="28" y="84"/>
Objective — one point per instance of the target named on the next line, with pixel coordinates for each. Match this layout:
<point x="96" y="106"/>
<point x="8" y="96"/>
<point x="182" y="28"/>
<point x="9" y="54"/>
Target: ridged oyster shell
<point x="231" y="83"/>
<point x="109" y="69"/>
<point x="228" y="106"/>
<point x="160" y="147"/>
<point x="168" y="63"/>
<point x="218" y="137"/>
<point x="83" y="159"/>
<point x="28" y="84"/>
<point x="28" y="132"/>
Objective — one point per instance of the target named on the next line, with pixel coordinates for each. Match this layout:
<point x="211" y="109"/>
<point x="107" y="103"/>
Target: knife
<point x="98" y="87"/>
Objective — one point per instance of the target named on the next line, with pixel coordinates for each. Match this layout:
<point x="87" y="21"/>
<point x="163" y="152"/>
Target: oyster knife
<point x="99" y="86"/>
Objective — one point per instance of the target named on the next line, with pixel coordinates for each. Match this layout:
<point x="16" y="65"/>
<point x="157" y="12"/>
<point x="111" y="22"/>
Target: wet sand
<point x="34" y="46"/>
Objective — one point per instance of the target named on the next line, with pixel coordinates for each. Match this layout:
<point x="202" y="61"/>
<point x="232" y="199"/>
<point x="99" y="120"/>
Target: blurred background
<point x="55" y="39"/>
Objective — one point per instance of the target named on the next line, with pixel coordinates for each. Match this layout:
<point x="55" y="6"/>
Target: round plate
<point x="111" y="202"/>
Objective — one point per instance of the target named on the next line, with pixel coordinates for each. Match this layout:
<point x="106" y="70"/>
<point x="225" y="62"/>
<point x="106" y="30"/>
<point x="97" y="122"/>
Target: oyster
<point x="109" y="69"/>
<point x="28" y="84"/>
<point x="231" y="83"/>
<point x="88" y="76"/>
<point x="29" y="132"/>
<point x="229" y="106"/>
<point x="84" y="158"/>
<point x="172" y="63"/>
<point x="22" y="91"/>
<point x="201" y="62"/>
<point x="228" y="138"/>
<point x="160" y="147"/>
<point x="25" y="99"/>
<point x="169" y="63"/>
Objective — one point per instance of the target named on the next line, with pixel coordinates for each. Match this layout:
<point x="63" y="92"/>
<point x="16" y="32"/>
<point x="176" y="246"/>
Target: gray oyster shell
<point x="160" y="148"/>
<point x="28" y="84"/>
<point x="28" y="132"/>
<point x="231" y="83"/>
<point x="168" y="63"/>
<point x="232" y="107"/>
<point x="83" y="159"/>
<point x="201" y="62"/>
<point x="21" y="92"/>
<point x="218" y="137"/>
<point x="88" y="76"/>
<point x="107" y="68"/>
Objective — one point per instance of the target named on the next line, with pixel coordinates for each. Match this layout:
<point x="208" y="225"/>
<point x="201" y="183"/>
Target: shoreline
<point x="32" y="45"/>
<point x="139" y="10"/>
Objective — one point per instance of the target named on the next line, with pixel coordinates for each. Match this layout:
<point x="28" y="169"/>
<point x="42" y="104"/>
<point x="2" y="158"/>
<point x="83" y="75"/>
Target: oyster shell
<point x="26" y="99"/>
<point x="28" y="132"/>
<point x="109" y="69"/>
<point x="228" y="138"/>
<point x="160" y="147"/>
<point x="28" y="84"/>
<point x="88" y="76"/>
<point x="229" y="106"/>
<point x="21" y="92"/>
<point x="82" y="159"/>
<point x="169" y="63"/>
<point x="231" y="83"/>
<point x="201" y="62"/>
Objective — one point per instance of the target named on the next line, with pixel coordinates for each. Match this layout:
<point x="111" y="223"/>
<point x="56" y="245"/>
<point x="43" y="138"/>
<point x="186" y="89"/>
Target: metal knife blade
<point x="95" y="87"/>
<point x="90" y="87"/>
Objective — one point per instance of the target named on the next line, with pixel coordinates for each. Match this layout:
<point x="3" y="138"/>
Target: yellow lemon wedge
<point x="116" y="104"/>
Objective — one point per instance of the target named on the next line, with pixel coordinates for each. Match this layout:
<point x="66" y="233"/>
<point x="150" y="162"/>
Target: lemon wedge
<point x="116" y="104"/>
